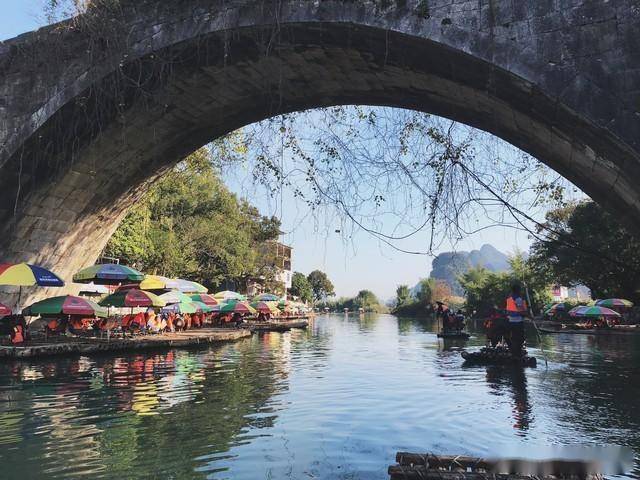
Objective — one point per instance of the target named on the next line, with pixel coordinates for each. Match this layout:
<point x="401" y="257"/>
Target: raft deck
<point x="87" y="345"/>
<point x="427" y="466"/>
<point x="497" y="356"/>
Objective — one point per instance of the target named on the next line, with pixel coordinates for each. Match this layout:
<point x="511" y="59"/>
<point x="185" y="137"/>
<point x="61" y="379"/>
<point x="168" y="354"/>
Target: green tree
<point x="321" y="285"/>
<point x="425" y="292"/>
<point x="403" y="295"/>
<point x="366" y="300"/>
<point x="190" y="225"/>
<point x="300" y="287"/>
<point x="584" y="244"/>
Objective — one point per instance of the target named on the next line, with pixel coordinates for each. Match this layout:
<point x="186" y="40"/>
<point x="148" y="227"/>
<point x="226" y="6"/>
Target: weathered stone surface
<point x="95" y="108"/>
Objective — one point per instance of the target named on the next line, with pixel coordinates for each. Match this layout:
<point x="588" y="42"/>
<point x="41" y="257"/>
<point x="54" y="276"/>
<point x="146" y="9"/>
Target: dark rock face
<point x="449" y="265"/>
<point x="93" y="109"/>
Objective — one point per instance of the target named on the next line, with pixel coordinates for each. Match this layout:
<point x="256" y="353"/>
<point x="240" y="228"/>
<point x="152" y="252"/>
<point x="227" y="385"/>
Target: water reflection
<point x="334" y="401"/>
<point x="513" y="382"/>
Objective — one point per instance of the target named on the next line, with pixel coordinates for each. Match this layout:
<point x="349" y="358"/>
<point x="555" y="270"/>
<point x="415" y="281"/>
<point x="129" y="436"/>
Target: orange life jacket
<point x="512" y="306"/>
<point x="18" y="336"/>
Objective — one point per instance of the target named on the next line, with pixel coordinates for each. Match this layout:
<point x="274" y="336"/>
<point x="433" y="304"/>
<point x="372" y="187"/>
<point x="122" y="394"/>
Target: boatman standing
<point x="516" y="311"/>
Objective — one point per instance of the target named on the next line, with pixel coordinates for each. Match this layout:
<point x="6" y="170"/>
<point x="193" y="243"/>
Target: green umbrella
<point x="236" y="307"/>
<point x="66" y="305"/>
<point x="133" y="298"/>
<point x="614" y="302"/>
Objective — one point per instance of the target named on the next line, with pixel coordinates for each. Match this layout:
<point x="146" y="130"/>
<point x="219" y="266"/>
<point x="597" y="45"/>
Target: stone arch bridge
<point x="94" y="108"/>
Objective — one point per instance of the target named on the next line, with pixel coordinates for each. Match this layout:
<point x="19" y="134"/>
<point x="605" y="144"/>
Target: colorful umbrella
<point x="108" y="274"/>
<point x="265" y="307"/>
<point x="157" y="282"/>
<point x="556" y="308"/>
<point x="181" y="307"/>
<point x="133" y="298"/>
<point x="26" y="275"/>
<point x="65" y="305"/>
<point x="203" y="307"/>
<point x="594" y="311"/>
<point x="93" y="290"/>
<point x="229" y="295"/>
<point x="175" y="296"/>
<point x="4" y="310"/>
<point x="614" y="302"/>
<point x="236" y="307"/>
<point x="204" y="298"/>
<point x="187" y="286"/>
<point x="267" y="297"/>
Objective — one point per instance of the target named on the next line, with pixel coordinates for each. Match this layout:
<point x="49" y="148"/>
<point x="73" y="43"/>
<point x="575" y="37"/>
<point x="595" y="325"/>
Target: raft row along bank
<point x="82" y="346"/>
<point x="276" y="326"/>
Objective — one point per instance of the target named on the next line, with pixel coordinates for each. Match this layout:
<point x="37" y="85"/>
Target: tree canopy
<point x="190" y="225"/>
<point x="300" y="287"/>
<point x="321" y="285"/>
<point x="582" y="243"/>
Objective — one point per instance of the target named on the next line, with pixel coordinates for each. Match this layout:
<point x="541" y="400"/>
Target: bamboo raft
<point x="497" y="356"/>
<point x="276" y="326"/>
<point x="88" y="345"/>
<point x="417" y="466"/>
<point x="454" y="335"/>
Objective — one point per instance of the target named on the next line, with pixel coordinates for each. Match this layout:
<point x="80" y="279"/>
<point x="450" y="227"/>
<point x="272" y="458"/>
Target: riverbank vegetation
<point x="365" y="299"/>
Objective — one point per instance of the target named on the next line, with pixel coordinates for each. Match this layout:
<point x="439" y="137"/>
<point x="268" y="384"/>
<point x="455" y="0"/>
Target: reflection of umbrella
<point x="594" y="311"/>
<point x="204" y="298"/>
<point x="133" y="298"/>
<point x="228" y="295"/>
<point x="4" y="310"/>
<point x="25" y="275"/>
<point x="265" y="307"/>
<point x="266" y="297"/>
<point x="108" y="274"/>
<point x="93" y="290"/>
<point x="236" y="307"/>
<point x="65" y="305"/>
<point x="614" y="302"/>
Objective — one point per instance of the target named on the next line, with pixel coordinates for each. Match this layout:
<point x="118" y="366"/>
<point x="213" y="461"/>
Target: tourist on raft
<point x="516" y="308"/>
<point x="496" y="327"/>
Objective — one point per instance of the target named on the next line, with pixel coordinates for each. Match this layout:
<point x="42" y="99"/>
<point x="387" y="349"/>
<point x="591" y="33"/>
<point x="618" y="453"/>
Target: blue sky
<point x="353" y="263"/>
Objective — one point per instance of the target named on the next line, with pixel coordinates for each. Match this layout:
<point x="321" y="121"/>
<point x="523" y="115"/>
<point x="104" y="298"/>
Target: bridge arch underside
<point x="66" y="189"/>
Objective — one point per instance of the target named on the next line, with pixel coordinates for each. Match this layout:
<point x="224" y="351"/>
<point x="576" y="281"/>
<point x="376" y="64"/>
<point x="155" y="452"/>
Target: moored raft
<point x="427" y="466"/>
<point x="497" y="356"/>
<point x="283" y="326"/>
<point x="87" y="346"/>
<point x="593" y="331"/>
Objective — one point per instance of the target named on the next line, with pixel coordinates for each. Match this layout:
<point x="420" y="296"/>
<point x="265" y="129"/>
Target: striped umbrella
<point x="236" y="307"/>
<point x="614" y="302"/>
<point x="4" y="310"/>
<point x="229" y="295"/>
<point x="556" y="308"/>
<point x="267" y="297"/>
<point x="133" y="298"/>
<point x="65" y="305"/>
<point x="181" y="307"/>
<point x="265" y="307"/>
<point x="204" y="298"/>
<point x="594" y="311"/>
<point x="158" y="282"/>
<point x="188" y="286"/>
<point x="108" y="274"/>
<point x="175" y="296"/>
<point x="26" y="275"/>
<point x="93" y="290"/>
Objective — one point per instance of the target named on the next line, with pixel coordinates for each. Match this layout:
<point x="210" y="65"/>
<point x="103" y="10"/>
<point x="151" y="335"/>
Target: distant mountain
<point x="449" y="265"/>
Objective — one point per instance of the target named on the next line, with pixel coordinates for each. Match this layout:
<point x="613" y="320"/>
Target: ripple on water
<point x="335" y="401"/>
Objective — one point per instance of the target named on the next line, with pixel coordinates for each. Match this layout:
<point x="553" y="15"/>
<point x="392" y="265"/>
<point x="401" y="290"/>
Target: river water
<point x="333" y="402"/>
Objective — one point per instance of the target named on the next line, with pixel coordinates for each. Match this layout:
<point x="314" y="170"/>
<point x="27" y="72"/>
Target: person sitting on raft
<point x="516" y="308"/>
<point x="459" y="321"/>
<point x="496" y="327"/>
